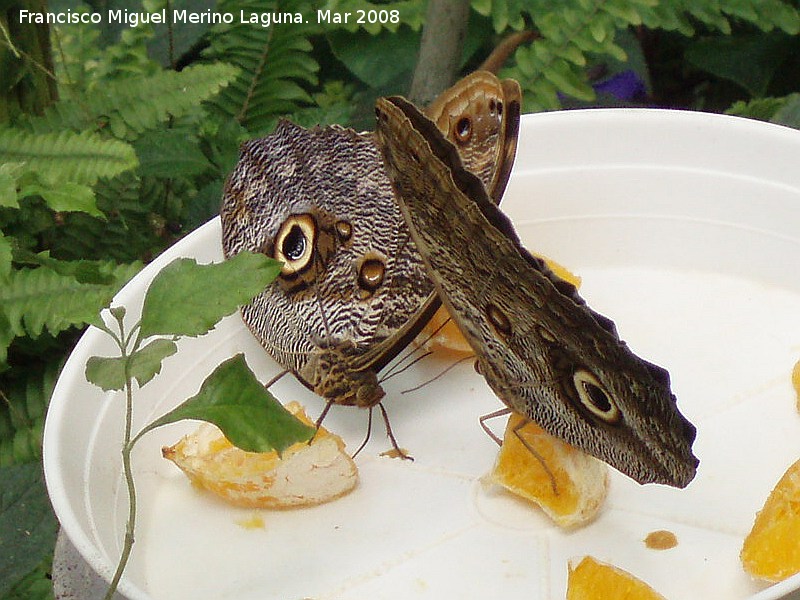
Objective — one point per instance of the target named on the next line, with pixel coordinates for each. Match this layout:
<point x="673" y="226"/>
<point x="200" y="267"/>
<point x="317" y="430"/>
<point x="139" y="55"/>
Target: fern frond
<point x="784" y="110"/>
<point x="133" y="105"/>
<point x="573" y="29"/>
<point x="80" y="158"/>
<point x="274" y="63"/>
<point x="23" y="404"/>
<point x="130" y="232"/>
<point x="35" y="300"/>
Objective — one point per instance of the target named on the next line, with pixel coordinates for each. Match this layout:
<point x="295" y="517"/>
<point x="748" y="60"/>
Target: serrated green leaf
<point x="37" y="299"/>
<point x="108" y="372"/>
<point x="66" y="156"/>
<point x="189" y="299"/>
<point x="170" y="153"/>
<point x="132" y="105"/>
<point x="247" y="413"/>
<point x="102" y="272"/>
<point x="64" y="197"/>
<point x="27" y="525"/>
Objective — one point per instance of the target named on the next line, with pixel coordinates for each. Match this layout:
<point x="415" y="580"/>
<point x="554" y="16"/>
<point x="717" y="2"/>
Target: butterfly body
<point x="543" y="352"/>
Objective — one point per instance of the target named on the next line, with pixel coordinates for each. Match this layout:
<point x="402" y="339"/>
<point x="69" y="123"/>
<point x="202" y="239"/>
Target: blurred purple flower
<point x="626" y="85"/>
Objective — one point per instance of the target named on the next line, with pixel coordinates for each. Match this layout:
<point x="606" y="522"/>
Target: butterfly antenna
<point x="392" y="371"/>
<point x="400" y="452"/>
<point x="437" y="376"/>
<point x="395" y="371"/>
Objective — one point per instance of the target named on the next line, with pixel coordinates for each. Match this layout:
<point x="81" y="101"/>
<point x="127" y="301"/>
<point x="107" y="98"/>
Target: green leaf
<point x="27" y="525"/>
<point x="37" y="299"/>
<point x="8" y="191"/>
<point x="751" y="61"/>
<point x="36" y="585"/>
<point x="103" y="272"/>
<point x="66" y="156"/>
<point x="5" y="257"/>
<point x="64" y="197"/>
<point x="136" y="104"/>
<point x="170" y="153"/>
<point x="109" y="373"/>
<point x="189" y="299"/>
<point x="235" y="401"/>
<point x="276" y="63"/>
<point x="789" y="113"/>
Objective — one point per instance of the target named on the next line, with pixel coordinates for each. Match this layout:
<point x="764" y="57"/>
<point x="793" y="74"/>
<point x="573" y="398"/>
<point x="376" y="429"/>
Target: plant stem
<point x="127" y="448"/>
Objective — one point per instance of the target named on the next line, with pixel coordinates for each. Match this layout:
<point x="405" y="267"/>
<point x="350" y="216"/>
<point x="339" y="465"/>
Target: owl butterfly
<point x="541" y="349"/>
<point x="353" y="290"/>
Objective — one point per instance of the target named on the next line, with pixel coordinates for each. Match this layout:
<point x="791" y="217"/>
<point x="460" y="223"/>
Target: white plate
<point x="686" y="230"/>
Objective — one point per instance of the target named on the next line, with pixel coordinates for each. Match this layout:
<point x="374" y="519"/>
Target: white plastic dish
<point x="686" y="230"/>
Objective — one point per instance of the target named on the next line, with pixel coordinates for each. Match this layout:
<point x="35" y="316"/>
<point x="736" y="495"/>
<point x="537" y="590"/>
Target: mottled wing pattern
<point x="367" y="280"/>
<point x="540" y="348"/>
<point x="353" y="291"/>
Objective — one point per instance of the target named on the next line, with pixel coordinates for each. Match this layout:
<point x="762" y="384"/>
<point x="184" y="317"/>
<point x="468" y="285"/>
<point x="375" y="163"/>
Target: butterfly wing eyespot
<point x="594" y="398"/>
<point x="463" y="129"/>
<point x="294" y="244"/>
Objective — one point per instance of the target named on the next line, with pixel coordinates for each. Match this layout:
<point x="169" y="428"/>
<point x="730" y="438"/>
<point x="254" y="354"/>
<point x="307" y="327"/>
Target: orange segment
<point x="442" y="334"/>
<point x="581" y="480"/>
<point x="771" y="550"/>
<point x="593" y="580"/>
<point x="306" y="474"/>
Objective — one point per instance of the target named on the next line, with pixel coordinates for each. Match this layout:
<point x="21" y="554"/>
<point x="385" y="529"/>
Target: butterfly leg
<point x="366" y="437"/>
<point x="498" y="413"/>
<point x="536" y="455"/>
<point x="321" y="418"/>
<point x="400" y="452"/>
<point x="275" y="379"/>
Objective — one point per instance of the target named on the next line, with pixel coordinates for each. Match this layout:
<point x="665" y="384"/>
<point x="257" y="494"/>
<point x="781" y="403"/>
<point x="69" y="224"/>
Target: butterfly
<point x="541" y="349"/>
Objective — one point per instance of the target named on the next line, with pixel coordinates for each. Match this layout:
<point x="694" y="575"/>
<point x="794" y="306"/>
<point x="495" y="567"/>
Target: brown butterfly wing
<point x="541" y="349"/>
<point x="480" y="117"/>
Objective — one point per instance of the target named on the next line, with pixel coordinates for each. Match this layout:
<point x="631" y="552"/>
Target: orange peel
<point x="591" y="579"/>
<point x="771" y="551"/>
<point x="305" y="474"/>
<point x="580" y="480"/>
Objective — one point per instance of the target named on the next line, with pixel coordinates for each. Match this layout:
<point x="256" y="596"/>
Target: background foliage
<point x="115" y="141"/>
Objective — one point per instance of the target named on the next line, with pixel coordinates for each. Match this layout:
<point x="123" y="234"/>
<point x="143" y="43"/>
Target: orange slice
<point x="442" y="334"/>
<point x="306" y="474"/>
<point x="796" y="382"/>
<point x="581" y="481"/>
<point x="592" y="580"/>
<point x="771" y="550"/>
